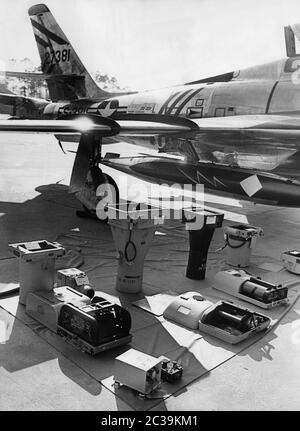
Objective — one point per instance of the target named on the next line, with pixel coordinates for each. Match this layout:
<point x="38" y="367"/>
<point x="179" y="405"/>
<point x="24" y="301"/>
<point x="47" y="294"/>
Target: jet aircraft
<point x="236" y="133"/>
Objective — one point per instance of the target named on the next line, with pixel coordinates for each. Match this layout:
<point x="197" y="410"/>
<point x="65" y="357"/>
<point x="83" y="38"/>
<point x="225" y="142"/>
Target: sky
<point x="150" y="44"/>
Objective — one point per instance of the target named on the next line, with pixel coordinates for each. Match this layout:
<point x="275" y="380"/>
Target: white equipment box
<point x="138" y="371"/>
<point x="243" y="286"/>
<point x="224" y="320"/>
<point x="240" y="241"/>
<point x="76" y="279"/>
<point x="72" y="277"/>
<point x="291" y="261"/>
<point x="186" y="309"/>
<point x="44" y="306"/>
<point x="36" y="265"/>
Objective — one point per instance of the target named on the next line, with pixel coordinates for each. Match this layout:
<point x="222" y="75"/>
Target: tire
<point x="99" y="179"/>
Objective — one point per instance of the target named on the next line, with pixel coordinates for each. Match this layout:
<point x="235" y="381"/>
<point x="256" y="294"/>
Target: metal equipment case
<point x="44" y="306"/>
<point x="138" y="371"/>
<point x="240" y="241"/>
<point x="225" y="320"/>
<point x="232" y="323"/>
<point x="36" y="265"/>
<point x="251" y="289"/>
<point x="96" y="327"/>
<point x="291" y="261"/>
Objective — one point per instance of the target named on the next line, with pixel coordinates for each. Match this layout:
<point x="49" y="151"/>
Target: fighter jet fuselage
<point x="255" y="157"/>
<point x="267" y="89"/>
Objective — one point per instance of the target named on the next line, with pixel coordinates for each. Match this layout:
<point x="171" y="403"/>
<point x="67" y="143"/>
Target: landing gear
<point x="94" y="189"/>
<point x="100" y="190"/>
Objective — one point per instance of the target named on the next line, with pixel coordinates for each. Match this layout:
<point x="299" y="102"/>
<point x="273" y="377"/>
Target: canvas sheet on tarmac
<point x="164" y="277"/>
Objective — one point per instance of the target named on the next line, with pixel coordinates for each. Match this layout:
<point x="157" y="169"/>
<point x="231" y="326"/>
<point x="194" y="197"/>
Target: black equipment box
<point x="171" y="371"/>
<point x="96" y="327"/>
<point x="201" y="224"/>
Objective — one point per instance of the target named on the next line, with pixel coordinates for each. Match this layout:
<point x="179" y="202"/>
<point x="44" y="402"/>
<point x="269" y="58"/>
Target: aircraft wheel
<point x="109" y="194"/>
<point x="100" y="190"/>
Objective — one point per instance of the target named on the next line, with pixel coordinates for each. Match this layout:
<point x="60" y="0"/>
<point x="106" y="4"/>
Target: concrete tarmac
<point x="36" y="375"/>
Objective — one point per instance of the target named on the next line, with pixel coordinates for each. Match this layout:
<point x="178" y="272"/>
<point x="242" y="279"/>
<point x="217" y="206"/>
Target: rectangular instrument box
<point x="96" y="327"/>
<point x="291" y="261"/>
<point x="232" y="323"/>
<point x="246" y="232"/>
<point x="138" y="371"/>
<point x="250" y="289"/>
<point x="37" y="250"/>
<point x="198" y="217"/>
<point x="224" y="320"/>
<point x="44" y="306"/>
<point x="72" y="277"/>
<point x="36" y="265"/>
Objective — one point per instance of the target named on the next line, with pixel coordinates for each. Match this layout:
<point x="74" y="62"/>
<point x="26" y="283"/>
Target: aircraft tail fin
<point x="67" y="78"/>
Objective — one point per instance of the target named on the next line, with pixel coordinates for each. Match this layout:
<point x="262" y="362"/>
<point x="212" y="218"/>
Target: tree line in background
<point x="38" y="88"/>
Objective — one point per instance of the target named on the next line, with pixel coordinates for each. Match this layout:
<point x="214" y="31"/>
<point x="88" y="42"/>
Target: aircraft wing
<point x="283" y="129"/>
<point x="9" y="98"/>
<point x="281" y="125"/>
<point x="37" y="75"/>
<point x="258" y="121"/>
<point x="274" y="130"/>
<point x="213" y="139"/>
<point x="262" y="142"/>
<point x="13" y="74"/>
<point x="21" y="106"/>
<point x="54" y="126"/>
<point x="228" y="149"/>
<point x="95" y="124"/>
